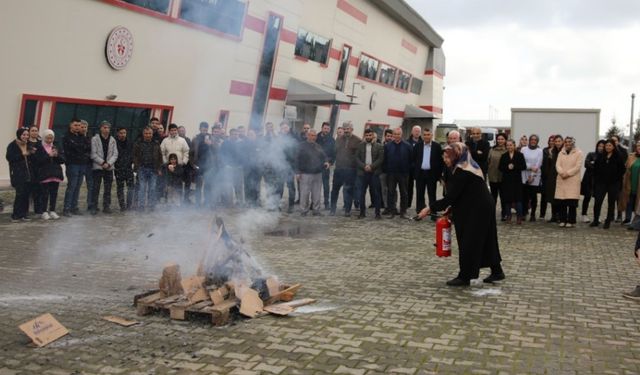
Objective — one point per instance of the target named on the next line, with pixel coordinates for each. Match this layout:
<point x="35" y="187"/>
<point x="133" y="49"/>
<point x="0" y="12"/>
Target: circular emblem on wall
<point x="372" y="100"/>
<point x="119" y="47"/>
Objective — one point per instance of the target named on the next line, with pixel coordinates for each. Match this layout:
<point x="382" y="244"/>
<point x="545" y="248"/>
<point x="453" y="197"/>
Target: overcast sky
<point x="543" y="53"/>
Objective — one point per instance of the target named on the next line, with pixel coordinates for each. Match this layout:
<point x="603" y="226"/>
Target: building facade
<point x="376" y="63"/>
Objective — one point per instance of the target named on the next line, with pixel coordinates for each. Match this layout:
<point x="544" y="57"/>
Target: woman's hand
<point x="424" y="213"/>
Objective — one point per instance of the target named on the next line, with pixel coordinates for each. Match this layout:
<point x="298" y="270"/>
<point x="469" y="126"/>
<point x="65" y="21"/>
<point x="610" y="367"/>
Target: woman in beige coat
<point x="568" y="182"/>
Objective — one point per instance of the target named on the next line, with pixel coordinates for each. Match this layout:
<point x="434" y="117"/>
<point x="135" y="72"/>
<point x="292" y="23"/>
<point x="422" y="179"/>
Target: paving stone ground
<point x="383" y="306"/>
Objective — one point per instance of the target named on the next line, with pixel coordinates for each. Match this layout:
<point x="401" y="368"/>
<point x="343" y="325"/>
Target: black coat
<point x="475" y="221"/>
<point x="125" y="155"/>
<point x="437" y="165"/>
<point x="608" y="171"/>
<point x="480" y="153"/>
<point x="511" y="188"/>
<point x="77" y="149"/>
<point x="586" y="186"/>
<point x="549" y="173"/>
<point x="21" y="168"/>
<point x="328" y="144"/>
<point x="47" y="166"/>
<point x="398" y="157"/>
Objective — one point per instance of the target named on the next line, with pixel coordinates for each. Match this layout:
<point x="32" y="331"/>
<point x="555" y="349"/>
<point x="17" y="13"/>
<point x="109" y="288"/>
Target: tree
<point x="613" y="130"/>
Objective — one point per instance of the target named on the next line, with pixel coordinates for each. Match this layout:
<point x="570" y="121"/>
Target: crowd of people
<point x="246" y="169"/>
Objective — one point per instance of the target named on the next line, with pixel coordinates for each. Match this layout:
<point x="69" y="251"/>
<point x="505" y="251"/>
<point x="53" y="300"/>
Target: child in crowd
<point x="174" y="174"/>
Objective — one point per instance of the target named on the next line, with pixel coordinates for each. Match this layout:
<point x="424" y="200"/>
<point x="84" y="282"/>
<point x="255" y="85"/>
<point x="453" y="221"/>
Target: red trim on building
<point x="254" y="23"/>
<point x="395" y="113"/>
<point x="288" y="36"/>
<point x="276" y="93"/>
<point x="335" y="53"/>
<point x="434" y="73"/>
<point x="409" y="46"/>
<point x="354" y="12"/>
<point x="431" y="108"/>
<point x="345" y="107"/>
<point x="241" y="88"/>
<point x="108" y="103"/>
<point x="354" y="61"/>
<point x="303" y="59"/>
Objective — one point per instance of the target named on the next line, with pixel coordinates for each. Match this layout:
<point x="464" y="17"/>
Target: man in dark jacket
<point x="369" y="159"/>
<point x="147" y="163"/>
<point x="200" y="159"/>
<point x="77" y="153"/>
<point x="398" y="155"/>
<point x="427" y="169"/>
<point x="124" y="170"/>
<point x="479" y="149"/>
<point x="345" y="172"/>
<point x="328" y="144"/>
<point x="310" y="162"/>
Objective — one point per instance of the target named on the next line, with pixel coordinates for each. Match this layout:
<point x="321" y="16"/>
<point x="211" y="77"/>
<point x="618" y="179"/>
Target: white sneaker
<point x="45" y="216"/>
<point x="585" y="219"/>
<point x="53" y="215"/>
<point x="562" y="225"/>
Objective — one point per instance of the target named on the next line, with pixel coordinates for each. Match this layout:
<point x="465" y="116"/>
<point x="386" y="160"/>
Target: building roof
<point x="409" y="18"/>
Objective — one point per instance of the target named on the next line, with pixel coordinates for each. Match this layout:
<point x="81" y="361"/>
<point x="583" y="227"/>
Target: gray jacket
<point x="97" y="154"/>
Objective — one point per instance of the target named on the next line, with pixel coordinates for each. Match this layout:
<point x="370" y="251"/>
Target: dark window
<point x="265" y="69"/>
<point x="161" y="6"/>
<point x="164" y="118"/>
<point x="29" y="114"/>
<point x="130" y="118"/>
<point x="368" y="67"/>
<point x="344" y="65"/>
<point x="416" y="86"/>
<point x="404" y="79"/>
<point x="226" y="16"/>
<point x="312" y="46"/>
<point x="387" y="74"/>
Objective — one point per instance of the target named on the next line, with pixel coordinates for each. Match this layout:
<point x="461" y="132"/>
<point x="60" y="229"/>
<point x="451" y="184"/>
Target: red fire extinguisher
<point x="443" y="236"/>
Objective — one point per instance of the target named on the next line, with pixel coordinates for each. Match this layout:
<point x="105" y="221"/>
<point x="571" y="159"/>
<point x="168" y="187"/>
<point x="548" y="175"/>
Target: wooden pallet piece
<point x="145" y="304"/>
<point x="221" y="313"/>
<point x="288" y="292"/>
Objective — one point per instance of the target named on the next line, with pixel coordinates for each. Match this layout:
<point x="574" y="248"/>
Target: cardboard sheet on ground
<point x="121" y="321"/>
<point x="250" y="304"/>
<point x="43" y="330"/>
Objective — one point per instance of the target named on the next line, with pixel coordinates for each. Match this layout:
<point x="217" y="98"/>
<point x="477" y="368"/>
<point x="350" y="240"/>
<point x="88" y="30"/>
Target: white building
<point x="236" y="61"/>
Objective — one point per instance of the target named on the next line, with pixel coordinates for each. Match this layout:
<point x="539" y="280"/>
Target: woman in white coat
<point x="568" y="182"/>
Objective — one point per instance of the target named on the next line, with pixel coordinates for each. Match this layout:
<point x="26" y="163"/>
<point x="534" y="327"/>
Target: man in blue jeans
<point x="345" y="172"/>
<point x="77" y="153"/>
<point x="147" y="162"/>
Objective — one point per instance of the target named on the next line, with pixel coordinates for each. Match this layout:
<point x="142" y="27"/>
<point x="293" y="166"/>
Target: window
<point x="387" y="74"/>
<point x="160" y="6"/>
<point x="368" y="67"/>
<point x="29" y="113"/>
<point x="131" y="118"/>
<point x="226" y="16"/>
<point x="416" y="86"/>
<point x="344" y="65"/>
<point x="312" y="47"/>
<point x="404" y="79"/>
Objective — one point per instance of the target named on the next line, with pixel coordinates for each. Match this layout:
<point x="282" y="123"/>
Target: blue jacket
<point x="398" y="157"/>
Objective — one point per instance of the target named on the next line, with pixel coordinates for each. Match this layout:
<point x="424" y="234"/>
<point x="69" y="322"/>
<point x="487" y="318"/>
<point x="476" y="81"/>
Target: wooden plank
<point x="169" y="300"/>
<point x="137" y="297"/>
<point x="297" y="302"/>
<point x="149" y="299"/>
<point x="178" y="309"/>
<point x="287" y="308"/>
<point x="292" y="290"/>
<point x="199" y="306"/>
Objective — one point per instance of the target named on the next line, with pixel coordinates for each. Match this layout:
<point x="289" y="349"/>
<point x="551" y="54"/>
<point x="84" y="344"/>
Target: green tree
<point x="613" y="130"/>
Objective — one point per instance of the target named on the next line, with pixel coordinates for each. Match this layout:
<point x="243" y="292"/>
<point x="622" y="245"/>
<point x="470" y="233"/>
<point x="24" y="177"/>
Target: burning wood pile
<point x="228" y="282"/>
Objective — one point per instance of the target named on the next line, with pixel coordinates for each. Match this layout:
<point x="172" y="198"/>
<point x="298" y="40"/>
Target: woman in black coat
<point x="475" y="216"/>
<point x="49" y="162"/>
<point x="586" y="186"/>
<point x="607" y="180"/>
<point x="550" y="175"/>
<point x="20" y="158"/>
<point x="512" y="164"/>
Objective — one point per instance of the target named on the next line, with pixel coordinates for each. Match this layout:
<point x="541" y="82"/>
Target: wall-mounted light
<point x="111" y="97"/>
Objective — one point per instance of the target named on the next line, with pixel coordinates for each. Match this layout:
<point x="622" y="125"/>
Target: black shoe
<point x="594" y="223"/>
<point x="332" y="213"/>
<point x="386" y="211"/>
<point x="107" y="210"/>
<point x="76" y="212"/>
<point x="532" y="218"/>
<point x="403" y="216"/>
<point x="66" y="214"/>
<point x="378" y="217"/>
<point x="360" y="217"/>
<point x="606" y="225"/>
<point x="391" y="216"/>
<point x="494" y="277"/>
<point x="347" y="214"/>
<point x="626" y="221"/>
<point x="316" y="213"/>
<point x="458" y="282"/>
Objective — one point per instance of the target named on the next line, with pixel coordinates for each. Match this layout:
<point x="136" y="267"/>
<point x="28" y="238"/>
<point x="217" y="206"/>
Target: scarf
<point x="461" y="158"/>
